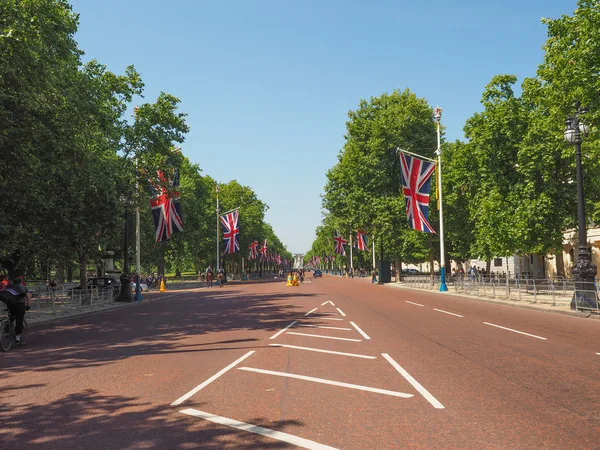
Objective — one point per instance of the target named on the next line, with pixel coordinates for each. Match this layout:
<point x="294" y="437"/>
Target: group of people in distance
<point x="221" y="276"/>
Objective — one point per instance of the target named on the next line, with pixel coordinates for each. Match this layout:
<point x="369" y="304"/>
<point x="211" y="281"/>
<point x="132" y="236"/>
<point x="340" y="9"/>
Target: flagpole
<point x="373" y="251"/>
<point x="351" y="262"/>
<point x="138" y="290"/>
<point x="218" y="225"/>
<point x="443" y="287"/>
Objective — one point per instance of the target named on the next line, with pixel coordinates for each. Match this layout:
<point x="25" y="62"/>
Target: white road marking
<point x="278" y="435"/>
<point x="330" y="382"/>
<point x="516" y="331"/>
<point x="413" y="303"/>
<point x="597" y="353"/>
<point x="325" y="337"/>
<point x="446" y="312"/>
<point x="365" y="335"/>
<point x="311" y="311"/>
<point x="328" y="301"/>
<point x="329" y="318"/>
<point x="341" y="312"/>
<point x="424" y="392"/>
<point x="281" y="331"/>
<point x="321" y="326"/>
<point x="182" y="399"/>
<point x="323" y="351"/>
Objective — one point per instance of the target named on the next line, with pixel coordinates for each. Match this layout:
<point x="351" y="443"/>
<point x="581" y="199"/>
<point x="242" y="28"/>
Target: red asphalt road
<point x="108" y="380"/>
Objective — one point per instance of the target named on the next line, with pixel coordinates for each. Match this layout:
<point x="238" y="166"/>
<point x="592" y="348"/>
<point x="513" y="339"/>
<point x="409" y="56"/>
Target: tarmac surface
<point x="334" y="363"/>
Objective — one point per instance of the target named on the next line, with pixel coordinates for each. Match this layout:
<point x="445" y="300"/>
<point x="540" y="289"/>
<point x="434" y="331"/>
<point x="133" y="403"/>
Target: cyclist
<point x="18" y="302"/>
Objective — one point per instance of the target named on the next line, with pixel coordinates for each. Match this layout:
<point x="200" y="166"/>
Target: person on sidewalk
<point x="18" y="301"/>
<point x="374" y="276"/>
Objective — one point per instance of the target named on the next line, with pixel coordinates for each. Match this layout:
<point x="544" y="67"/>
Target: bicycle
<point x="7" y="331"/>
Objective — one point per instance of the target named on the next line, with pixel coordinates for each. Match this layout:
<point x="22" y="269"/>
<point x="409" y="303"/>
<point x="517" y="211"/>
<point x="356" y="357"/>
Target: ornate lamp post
<point x="583" y="269"/>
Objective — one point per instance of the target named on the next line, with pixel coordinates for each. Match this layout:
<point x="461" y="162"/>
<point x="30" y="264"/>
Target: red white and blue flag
<point x="166" y="209"/>
<point x="253" y="250"/>
<point x="362" y="242"/>
<point x="416" y="185"/>
<point x="339" y="243"/>
<point x="231" y="231"/>
<point x="263" y="251"/>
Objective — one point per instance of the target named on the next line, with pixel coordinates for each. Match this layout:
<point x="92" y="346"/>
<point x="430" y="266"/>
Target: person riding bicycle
<point x="18" y="301"/>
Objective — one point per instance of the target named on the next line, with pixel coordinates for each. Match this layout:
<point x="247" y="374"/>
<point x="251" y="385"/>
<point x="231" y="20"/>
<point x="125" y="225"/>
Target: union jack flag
<point x="231" y="231"/>
<point x="339" y="244"/>
<point x="361" y="241"/>
<point x="263" y="251"/>
<point x="253" y="250"/>
<point x="166" y="209"/>
<point x="416" y="184"/>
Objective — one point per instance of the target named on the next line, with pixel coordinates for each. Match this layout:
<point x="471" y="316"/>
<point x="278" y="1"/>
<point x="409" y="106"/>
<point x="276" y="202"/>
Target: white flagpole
<point x="374" y="267"/>
<point x="443" y="287"/>
<point x="351" y="263"/>
<point x="218" y="225"/>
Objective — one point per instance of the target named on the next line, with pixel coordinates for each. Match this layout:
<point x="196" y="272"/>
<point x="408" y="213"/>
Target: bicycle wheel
<point x="6" y="336"/>
<point x="24" y="333"/>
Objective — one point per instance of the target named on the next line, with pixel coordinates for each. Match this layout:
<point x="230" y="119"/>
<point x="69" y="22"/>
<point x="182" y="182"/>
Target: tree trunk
<point x="431" y="260"/>
<point x="488" y="267"/>
<point x="60" y="272"/>
<point x="560" y="263"/>
<point x="398" y="265"/>
<point x="82" y="269"/>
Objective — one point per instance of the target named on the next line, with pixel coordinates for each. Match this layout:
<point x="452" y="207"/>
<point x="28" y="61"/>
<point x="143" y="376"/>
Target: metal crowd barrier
<point x="555" y="292"/>
<point x="55" y="302"/>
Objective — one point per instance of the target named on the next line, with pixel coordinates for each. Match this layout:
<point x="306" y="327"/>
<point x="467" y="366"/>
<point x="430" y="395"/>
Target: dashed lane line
<point x="355" y="355"/>
<point x="329" y="318"/>
<point x="183" y="398"/>
<point x="321" y="326"/>
<point x="413" y="303"/>
<point x="282" y="330"/>
<point x="311" y="311"/>
<point x="341" y="312"/>
<point x="446" y="312"/>
<point x="278" y="435"/>
<point x="325" y="337"/>
<point x="516" y="331"/>
<point x="365" y="335"/>
<point x="330" y="382"/>
<point x="424" y="392"/>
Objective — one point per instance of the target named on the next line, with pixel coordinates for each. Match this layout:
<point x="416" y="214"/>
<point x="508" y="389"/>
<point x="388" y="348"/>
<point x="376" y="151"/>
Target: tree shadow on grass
<point x="155" y="328"/>
<point x="89" y="420"/>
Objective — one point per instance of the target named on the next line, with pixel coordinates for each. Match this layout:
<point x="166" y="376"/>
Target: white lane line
<point x="365" y="335"/>
<point x="516" y="331"/>
<point x="327" y="318"/>
<point x="321" y="326"/>
<point x="424" y="392"/>
<point x="597" y="353"/>
<point x="413" y="303"/>
<point x="183" y="398"/>
<point x="328" y="301"/>
<point x="341" y="312"/>
<point x="311" y="311"/>
<point x="330" y="382"/>
<point x="325" y="337"/>
<point x="278" y="435"/>
<point x="355" y="355"/>
<point x="282" y="330"/>
<point x="446" y="312"/>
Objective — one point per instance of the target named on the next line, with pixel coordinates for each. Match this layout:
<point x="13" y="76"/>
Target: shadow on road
<point x="89" y="419"/>
<point x="152" y="328"/>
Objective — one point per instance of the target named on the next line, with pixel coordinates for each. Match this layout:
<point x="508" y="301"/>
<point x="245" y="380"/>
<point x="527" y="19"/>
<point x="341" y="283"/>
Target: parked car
<point x="317" y="273"/>
<point x="410" y="272"/>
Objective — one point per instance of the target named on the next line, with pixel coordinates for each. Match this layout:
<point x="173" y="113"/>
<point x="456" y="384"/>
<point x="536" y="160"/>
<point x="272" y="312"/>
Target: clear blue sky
<point x="268" y="84"/>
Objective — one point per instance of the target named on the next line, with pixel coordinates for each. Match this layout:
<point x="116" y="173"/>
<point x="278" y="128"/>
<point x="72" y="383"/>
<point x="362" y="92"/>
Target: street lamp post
<point x="125" y="292"/>
<point x="438" y="152"/>
<point x="584" y="270"/>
